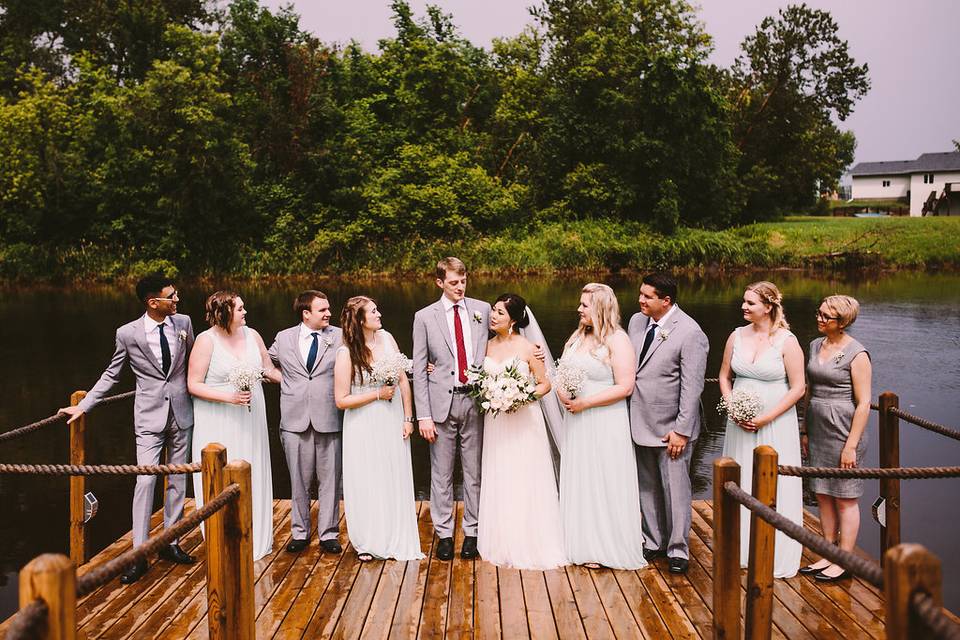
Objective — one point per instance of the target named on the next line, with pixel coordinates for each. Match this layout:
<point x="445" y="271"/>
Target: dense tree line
<point x="183" y="134"/>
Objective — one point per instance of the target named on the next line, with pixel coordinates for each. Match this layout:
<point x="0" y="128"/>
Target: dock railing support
<point x="213" y="460"/>
<point x="758" y="619"/>
<point x="238" y="533"/>
<point x="78" y="484"/>
<point x="909" y="568"/>
<point x="726" y="552"/>
<point x="52" y="577"/>
<point x="889" y="458"/>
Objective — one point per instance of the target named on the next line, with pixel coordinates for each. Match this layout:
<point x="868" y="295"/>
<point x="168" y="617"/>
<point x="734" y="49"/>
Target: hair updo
<point x="219" y="308"/>
<point x="516" y="308"/>
<point x="769" y="294"/>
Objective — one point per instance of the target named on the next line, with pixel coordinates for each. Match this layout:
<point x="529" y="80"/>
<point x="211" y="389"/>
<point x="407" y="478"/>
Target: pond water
<point x="57" y="340"/>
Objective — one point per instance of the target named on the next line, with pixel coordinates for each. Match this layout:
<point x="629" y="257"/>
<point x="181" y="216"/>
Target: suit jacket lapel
<point x="440" y="316"/>
<point x="660" y="339"/>
<point x="474" y="332"/>
<point x="141" y="338"/>
<point x="181" y="345"/>
<point x="324" y="344"/>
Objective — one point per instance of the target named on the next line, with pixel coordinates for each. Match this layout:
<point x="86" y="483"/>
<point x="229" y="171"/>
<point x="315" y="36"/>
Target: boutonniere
<point x="477" y="317"/>
<point x="327" y="341"/>
<point x="664" y="335"/>
<point x="837" y="357"/>
<point x="182" y="335"/>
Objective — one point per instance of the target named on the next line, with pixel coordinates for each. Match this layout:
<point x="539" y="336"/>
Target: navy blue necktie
<point x="164" y="350"/>
<point x="647" y="341"/>
<point x="312" y="354"/>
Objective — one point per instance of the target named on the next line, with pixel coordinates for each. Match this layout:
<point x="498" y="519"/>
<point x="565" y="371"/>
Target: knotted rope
<point x="28" y="621"/>
<point x="101" y="469"/>
<point x="866" y="569"/>
<point x="104" y="573"/>
<point x="929" y="425"/>
<point x="57" y="417"/>
<point x="933" y="618"/>
<point x="907" y="473"/>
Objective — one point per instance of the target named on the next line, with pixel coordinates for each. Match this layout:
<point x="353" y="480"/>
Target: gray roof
<point x="926" y="163"/>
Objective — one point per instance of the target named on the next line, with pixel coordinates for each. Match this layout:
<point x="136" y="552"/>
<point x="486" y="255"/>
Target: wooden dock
<point x="316" y="595"/>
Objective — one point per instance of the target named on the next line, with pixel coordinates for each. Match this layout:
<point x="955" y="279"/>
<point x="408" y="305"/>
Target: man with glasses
<point x="157" y="347"/>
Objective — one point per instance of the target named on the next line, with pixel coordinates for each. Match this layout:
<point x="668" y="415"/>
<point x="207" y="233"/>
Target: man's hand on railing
<point x="73" y="411"/>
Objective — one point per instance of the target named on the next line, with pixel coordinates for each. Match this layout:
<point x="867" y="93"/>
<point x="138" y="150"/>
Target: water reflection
<point x="56" y="340"/>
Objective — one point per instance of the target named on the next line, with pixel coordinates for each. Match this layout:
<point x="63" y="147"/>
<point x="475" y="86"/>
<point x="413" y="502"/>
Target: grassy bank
<point x="881" y="243"/>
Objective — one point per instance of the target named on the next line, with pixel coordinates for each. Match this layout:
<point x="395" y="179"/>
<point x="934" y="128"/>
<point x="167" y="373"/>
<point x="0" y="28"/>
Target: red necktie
<point x="461" y="349"/>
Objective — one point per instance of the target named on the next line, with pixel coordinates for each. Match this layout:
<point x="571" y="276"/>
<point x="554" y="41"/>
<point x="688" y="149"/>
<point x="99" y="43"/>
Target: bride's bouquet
<point x="743" y="406"/>
<point x="504" y="392"/>
<point x="568" y="378"/>
<point x="242" y="377"/>
<point x="387" y="371"/>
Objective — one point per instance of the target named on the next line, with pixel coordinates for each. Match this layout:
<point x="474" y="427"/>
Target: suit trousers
<point x="149" y="446"/>
<point x="665" y="499"/>
<point x="310" y="455"/>
<point x="462" y="431"/>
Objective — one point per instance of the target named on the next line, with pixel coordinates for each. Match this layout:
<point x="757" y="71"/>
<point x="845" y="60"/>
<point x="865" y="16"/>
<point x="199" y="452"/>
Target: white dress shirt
<point x="661" y="323"/>
<point x="466" y="321"/>
<point x="306" y="340"/>
<point x="153" y="337"/>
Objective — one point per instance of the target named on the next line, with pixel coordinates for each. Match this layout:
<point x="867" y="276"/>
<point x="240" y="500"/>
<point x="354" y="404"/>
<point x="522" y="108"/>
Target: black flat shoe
<point x="296" y="546"/>
<point x="469" y="549"/>
<point x="678" y="565"/>
<point x="173" y="553"/>
<point x="810" y="570"/>
<point x="821" y="577"/>
<point x="652" y="554"/>
<point x="134" y="573"/>
<point x="445" y="549"/>
<point x="331" y="546"/>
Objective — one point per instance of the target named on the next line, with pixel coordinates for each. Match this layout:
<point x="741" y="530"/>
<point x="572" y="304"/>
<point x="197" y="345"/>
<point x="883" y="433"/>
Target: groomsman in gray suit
<point x="157" y="346"/>
<point x="665" y="416"/>
<point x="452" y="335"/>
<point x="310" y="422"/>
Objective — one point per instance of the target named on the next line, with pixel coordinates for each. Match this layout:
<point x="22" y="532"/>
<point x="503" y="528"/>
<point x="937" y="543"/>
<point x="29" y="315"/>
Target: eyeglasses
<point x="826" y="318"/>
<point x="173" y="297"/>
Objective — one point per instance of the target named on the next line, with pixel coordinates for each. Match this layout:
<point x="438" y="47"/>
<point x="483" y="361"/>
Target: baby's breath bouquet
<point x="242" y="377"/>
<point x="387" y="371"/>
<point x="743" y="406"/>
<point x="569" y="378"/>
<point x="503" y="392"/>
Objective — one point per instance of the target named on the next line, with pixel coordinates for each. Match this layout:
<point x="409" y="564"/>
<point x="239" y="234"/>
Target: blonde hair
<point x="769" y="294"/>
<point x="846" y="308"/>
<point x="450" y="263"/>
<point x="605" y="314"/>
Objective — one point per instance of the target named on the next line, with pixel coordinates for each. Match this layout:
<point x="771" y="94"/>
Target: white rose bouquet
<point x="243" y="377"/>
<point x="743" y="406"/>
<point x="569" y="378"/>
<point x="387" y="371"/>
<point x="504" y="392"/>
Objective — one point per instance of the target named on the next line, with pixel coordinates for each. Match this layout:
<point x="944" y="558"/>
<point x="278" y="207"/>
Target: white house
<point x="922" y="181"/>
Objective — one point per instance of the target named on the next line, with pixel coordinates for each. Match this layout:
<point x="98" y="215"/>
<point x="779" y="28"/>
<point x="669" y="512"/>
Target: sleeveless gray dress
<point x="830" y="416"/>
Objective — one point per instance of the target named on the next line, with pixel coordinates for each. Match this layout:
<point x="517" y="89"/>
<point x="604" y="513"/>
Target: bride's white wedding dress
<point x="242" y="430"/>
<point x="519" y="523"/>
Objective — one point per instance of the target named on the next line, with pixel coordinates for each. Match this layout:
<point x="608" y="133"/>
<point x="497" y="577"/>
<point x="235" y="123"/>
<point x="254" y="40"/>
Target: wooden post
<point x="52" y="577"/>
<point x="889" y="458"/>
<point x="758" y="619"/>
<point x="238" y="529"/>
<point x="78" y="485"/>
<point x="213" y="460"/>
<point x="726" y="552"/>
<point x="909" y="568"/>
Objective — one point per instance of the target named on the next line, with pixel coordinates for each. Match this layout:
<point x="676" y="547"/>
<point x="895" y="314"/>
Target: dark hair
<point x="150" y="286"/>
<point x="219" y="307"/>
<point x="663" y="284"/>
<point x="352" y="317"/>
<point x="304" y="301"/>
<point x="450" y="264"/>
<point x="516" y="308"/>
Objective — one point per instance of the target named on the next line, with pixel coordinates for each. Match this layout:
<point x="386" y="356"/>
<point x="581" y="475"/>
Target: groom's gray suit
<point x="439" y="396"/>
<point x="162" y="412"/>
<point x="666" y="398"/>
<point x="310" y="426"/>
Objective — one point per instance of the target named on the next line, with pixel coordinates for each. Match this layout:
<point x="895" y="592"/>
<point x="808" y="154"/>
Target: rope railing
<point x="100" y="469"/>
<point x="866" y="569"/>
<point x="104" y="573"/>
<point x="905" y="473"/>
<point x="57" y="417"/>
<point x="27" y="622"/>
<point x="923" y="423"/>
<point x="932" y="616"/>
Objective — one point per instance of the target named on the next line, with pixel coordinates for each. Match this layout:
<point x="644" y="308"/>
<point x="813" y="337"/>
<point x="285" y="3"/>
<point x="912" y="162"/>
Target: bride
<point x="519" y="522"/>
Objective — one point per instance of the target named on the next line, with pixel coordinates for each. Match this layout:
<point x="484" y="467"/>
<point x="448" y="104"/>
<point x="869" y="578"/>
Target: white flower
<point x="743" y="406"/>
<point x="506" y="391"/>
<point x="838" y="357"/>
<point x="388" y="370"/>
<point x="569" y="378"/>
<point x="327" y="341"/>
<point x="182" y="335"/>
<point x="664" y="334"/>
<point x="477" y="317"/>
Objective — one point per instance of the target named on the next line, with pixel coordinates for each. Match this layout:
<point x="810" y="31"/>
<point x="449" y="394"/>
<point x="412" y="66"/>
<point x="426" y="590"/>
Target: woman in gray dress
<point x="838" y="406"/>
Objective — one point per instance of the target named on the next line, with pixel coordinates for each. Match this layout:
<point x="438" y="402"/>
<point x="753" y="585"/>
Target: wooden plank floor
<point x="316" y="595"/>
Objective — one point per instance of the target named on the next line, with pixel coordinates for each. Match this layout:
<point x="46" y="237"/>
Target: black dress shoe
<point x="822" y="577"/>
<point x="652" y="554"/>
<point x="173" y="553"/>
<point x="445" y="549"/>
<point x="296" y="546"/>
<point x="331" y="546"/>
<point x="678" y="565"/>
<point x="134" y="573"/>
<point x="469" y="549"/>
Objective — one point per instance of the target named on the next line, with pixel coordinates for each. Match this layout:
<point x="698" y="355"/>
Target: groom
<point x="665" y="416"/>
<point x="310" y="423"/>
<point x="157" y="346"/>
<point x="452" y="334"/>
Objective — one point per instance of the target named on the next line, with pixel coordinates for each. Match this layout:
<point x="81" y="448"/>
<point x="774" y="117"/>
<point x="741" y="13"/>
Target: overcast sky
<point x="912" y="48"/>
